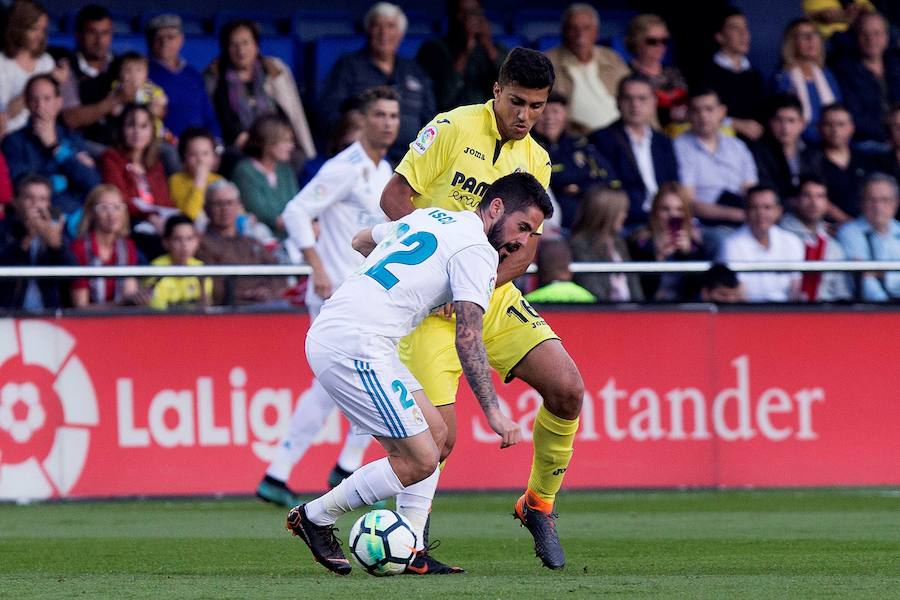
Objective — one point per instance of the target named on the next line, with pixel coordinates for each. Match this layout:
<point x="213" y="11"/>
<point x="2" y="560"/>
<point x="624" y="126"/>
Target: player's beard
<point x="495" y="237"/>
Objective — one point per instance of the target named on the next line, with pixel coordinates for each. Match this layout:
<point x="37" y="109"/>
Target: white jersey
<point x="426" y="259"/>
<point x="344" y="195"/>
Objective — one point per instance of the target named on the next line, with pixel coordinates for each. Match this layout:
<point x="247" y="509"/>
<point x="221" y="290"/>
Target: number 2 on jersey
<point x="421" y="246"/>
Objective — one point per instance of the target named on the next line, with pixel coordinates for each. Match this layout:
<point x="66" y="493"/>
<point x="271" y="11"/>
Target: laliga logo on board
<point x="47" y="405"/>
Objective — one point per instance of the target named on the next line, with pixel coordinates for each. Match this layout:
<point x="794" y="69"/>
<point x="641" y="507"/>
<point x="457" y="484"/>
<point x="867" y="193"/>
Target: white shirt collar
<point x="721" y="59"/>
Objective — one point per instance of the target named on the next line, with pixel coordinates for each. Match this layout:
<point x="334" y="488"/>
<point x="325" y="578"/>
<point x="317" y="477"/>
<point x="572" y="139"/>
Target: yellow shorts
<point x="512" y="328"/>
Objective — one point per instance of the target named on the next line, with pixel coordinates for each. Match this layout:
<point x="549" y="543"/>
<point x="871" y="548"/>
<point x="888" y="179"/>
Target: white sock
<point x="414" y="503"/>
<point x="367" y="485"/>
<point x="355" y="445"/>
<point x="314" y="407"/>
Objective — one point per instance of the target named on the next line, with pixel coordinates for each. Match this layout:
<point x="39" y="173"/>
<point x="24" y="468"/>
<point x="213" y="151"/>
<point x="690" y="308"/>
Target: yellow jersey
<point x="459" y="154"/>
<point x="169" y="292"/>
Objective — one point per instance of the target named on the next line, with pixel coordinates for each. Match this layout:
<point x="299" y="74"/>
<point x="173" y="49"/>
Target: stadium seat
<point x="615" y="22"/>
<point x="191" y="23"/>
<point x="420" y="22"/>
<point x="325" y="51"/>
<point x="545" y="42"/>
<point x="121" y="22"/>
<point x="285" y="48"/>
<point x="508" y="40"/>
<point x="309" y="25"/>
<point x="269" y="23"/>
<point x="200" y="50"/>
<point x="533" y="24"/>
<point x="131" y="42"/>
<point x="61" y="40"/>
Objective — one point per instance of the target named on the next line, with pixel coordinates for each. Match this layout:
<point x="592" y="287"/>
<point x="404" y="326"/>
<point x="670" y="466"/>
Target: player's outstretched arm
<point x="363" y="242"/>
<point x="396" y="199"/>
<point x="473" y="357"/>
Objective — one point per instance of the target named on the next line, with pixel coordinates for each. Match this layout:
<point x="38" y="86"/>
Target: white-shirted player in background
<point x="414" y="265"/>
<point x="344" y="196"/>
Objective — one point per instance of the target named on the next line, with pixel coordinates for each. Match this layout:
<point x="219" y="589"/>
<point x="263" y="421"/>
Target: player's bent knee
<point x="566" y="400"/>
<point x="439" y="433"/>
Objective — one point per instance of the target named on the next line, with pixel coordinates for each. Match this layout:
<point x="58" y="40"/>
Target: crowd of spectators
<point x="132" y="159"/>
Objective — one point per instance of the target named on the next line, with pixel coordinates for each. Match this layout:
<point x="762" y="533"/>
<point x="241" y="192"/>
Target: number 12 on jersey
<point x="421" y="245"/>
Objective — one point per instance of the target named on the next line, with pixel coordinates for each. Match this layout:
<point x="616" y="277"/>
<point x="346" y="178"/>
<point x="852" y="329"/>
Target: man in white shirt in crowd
<point x="875" y="235"/>
<point x="761" y="240"/>
<point x="807" y="221"/>
<point x="344" y="197"/>
<point x="714" y="167"/>
<point x="586" y="73"/>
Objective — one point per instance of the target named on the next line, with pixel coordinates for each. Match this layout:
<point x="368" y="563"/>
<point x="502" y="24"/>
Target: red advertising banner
<point x="176" y="404"/>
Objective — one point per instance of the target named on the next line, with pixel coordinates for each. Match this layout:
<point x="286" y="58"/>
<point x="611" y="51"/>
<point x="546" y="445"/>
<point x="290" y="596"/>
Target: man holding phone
<point x="32" y="236"/>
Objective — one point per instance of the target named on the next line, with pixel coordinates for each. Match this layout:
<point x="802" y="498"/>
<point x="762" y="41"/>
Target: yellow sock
<point x="553" y="439"/>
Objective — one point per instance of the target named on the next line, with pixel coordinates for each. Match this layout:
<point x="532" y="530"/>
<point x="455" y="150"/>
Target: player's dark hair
<point x="527" y="68"/>
<point x="193" y="133"/>
<point x="782" y="101"/>
<point x="518" y="192"/>
<point x="173" y="222"/>
<point x="633" y="78"/>
<point x="31" y="179"/>
<point x="90" y="14"/>
<point x="720" y="275"/>
<point x="810" y="178"/>
<point x="372" y="95"/>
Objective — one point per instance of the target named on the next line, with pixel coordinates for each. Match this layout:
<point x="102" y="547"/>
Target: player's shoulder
<point x="351" y="155"/>
<point x="461" y="119"/>
<point x="537" y="152"/>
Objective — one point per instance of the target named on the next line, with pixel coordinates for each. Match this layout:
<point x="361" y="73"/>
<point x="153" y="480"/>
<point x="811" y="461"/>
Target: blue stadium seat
<point x="309" y="25"/>
<point x="285" y="48"/>
<point x="410" y="45"/>
<point x="420" y="22"/>
<point x="191" y="23"/>
<point x="545" y="42"/>
<point x="132" y="42"/>
<point x="269" y="23"/>
<point x="325" y="51"/>
<point x="121" y="22"/>
<point x="200" y="50"/>
<point x="509" y="40"/>
<point x="61" y="40"/>
<point x="533" y="24"/>
<point x="615" y="22"/>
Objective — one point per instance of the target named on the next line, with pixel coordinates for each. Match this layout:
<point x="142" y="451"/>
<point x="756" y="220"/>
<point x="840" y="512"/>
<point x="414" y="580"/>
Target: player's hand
<point x="508" y="430"/>
<point x="321" y="283"/>
<point x="445" y="311"/>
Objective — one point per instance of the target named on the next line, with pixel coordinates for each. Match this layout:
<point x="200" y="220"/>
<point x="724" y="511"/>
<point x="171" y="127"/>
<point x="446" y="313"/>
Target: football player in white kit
<point x="344" y="196"/>
<point x="419" y="263"/>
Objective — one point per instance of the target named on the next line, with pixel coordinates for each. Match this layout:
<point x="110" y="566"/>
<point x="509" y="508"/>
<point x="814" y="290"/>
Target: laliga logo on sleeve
<point x="425" y="139"/>
<point x="47" y="405"/>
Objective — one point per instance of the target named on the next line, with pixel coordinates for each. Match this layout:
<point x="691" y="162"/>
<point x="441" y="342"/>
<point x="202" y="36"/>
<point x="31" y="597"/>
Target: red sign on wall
<point x="160" y="405"/>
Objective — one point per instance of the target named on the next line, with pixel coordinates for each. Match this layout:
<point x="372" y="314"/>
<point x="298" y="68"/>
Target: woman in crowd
<point x="24" y="55"/>
<point x="671" y="235"/>
<point x="804" y="74"/>
<point x="266" y="179"/>
<point x="103" y="241"/>
<point x="245" y="85"/>
<point x="648" y="40"/>
<point x="133" y="166"/>
<point x="597" y="237"/>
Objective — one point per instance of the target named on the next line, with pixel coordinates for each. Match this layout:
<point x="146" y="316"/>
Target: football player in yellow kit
<point x="449" y="165"/>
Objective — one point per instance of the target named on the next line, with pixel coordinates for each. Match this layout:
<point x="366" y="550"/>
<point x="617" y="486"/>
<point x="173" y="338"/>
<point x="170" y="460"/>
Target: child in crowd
<point x="181" y="241"/>
<point x="132" y="74"/>
<point x="197" y="148"/>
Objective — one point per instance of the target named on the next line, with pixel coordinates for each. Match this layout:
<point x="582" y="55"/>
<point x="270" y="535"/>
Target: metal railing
<point x="578" y="267"/>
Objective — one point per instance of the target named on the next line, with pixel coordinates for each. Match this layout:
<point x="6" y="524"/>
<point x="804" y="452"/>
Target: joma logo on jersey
<point x="469" y="184"/>
<point x="473" y="152"/>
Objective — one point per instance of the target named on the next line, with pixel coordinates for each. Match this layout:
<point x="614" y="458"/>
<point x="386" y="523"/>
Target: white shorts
<point x="376" y="395"/>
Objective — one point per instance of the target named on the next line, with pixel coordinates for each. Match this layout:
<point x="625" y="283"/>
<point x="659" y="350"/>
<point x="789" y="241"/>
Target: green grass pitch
<point x="695" y="544"/>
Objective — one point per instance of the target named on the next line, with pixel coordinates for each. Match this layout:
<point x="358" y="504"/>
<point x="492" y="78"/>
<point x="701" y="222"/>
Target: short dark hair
<point x="725" y="14"/>
<point x="173" y="222"/>
<point x="225" y="40"/>
<point x="810" y="178"/>
<point x="40" y="77"/>
<point x="760" y="188"/>
<point x="192" y="133"/>
<point x="557" y="98"/>
<point x="719" y="275"/>
<point x="633" y="78"/>
<point x="264" y="132"/>
<point x="31" y="179"/>
<point x="90" y="14"/>
<point x="372" y="95"/>
<point x="129" y="56"/>
<point x="553" y="259"/>
<point x="699" y="92"/>
<point x="835" y="107"/>
<point x="518" y="191"/>
<point x="782" y="101"/>
<point x="527" y="68"/>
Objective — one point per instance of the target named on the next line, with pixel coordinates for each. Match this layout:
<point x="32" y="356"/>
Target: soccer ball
<point x="382" y="542"/>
